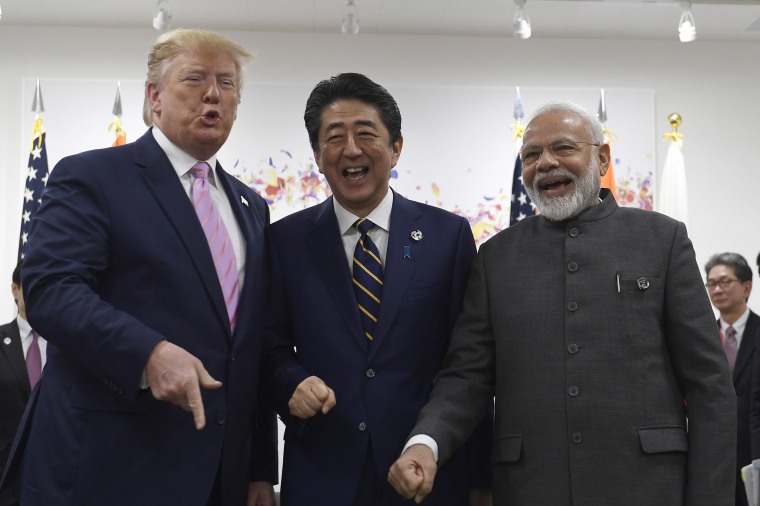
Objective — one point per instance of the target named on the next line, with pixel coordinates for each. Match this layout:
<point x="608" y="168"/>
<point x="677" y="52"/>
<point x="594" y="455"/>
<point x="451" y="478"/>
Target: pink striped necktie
<point x="218" y="239"/>
<point x="34" y="360"/>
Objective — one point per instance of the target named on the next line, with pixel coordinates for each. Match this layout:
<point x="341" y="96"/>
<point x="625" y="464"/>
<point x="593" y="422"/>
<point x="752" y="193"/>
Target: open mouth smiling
<point x="355" y="172"/>
<point x="554" y="183"/>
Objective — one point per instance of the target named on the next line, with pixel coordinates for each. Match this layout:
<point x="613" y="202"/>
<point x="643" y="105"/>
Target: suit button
<point x="370" y="373"/>
<point x="573" y="391"/>
<point x="220" y="419"/>
<point x="572" y="306"/>
<point x="572" y="267"/>
<point x="577" y="438"/>
<point x="573" y="232"/>
<point x="572" y="348"/>
<point x="362" y="427"/>
<point x="232" y="357"/>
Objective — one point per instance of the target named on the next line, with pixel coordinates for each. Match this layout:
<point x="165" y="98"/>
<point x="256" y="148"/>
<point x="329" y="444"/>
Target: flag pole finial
<point x="518" y="110"/>
<point x="37" y="105"/>
<point x="117" y="102"/>
<point x="601" y="115"/>
<point x="675" y="121"/>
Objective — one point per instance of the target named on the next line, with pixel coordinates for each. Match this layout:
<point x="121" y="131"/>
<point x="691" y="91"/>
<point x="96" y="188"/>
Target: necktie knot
<point x="200" y="170"/>
<point x="731" y="332"/>
<point x="363" y="225"/>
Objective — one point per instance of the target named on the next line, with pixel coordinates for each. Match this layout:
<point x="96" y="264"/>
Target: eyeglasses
<point x="561" y="148"/>
<point x="724" y="283"/>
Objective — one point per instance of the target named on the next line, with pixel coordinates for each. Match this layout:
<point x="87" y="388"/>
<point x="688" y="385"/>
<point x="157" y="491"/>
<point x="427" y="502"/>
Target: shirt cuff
<point x="423" y="439"/>
<point x="144" y="381"/>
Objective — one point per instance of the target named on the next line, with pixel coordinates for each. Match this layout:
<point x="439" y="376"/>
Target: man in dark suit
<point x="590" y="325"/>
<point x="120" y="277"/>
<point x="729" y="283"/>
<point x="17" y="340"/>
<point x="367" y="348"/>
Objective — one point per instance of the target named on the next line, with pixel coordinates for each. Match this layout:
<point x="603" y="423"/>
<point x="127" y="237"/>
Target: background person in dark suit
<point x="352" y="391"/>
<point x="121" y="279"/>
<point x="729" y="283"/>
<point x="16" y="340"/>
<point x="592" y="328"/>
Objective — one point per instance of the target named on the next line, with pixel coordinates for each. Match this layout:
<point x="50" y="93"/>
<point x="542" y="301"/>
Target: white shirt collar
<point x="181" y="161"/>
<point x="739" y="324"/>
<point x="380" y="216"/>
<point x="24" y="329"/>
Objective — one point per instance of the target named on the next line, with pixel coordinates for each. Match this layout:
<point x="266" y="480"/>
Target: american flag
<point x="36" y="178"/>
<point x="521" y="205"/>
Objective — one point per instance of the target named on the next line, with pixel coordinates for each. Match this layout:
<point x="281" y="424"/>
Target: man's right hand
<point x="312" y="396"/>
<point x="412" y="475"/>
<point x="176" y="376"/>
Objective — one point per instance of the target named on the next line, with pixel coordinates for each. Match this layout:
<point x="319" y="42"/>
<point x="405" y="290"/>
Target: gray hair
<point x="593" y="124"/>
<point x="733" y="260"/>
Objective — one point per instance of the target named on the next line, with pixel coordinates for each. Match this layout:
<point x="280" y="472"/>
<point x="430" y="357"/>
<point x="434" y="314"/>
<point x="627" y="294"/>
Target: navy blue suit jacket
<point x="14" y="392"/>
<point x="379" y="387"/>
<point x="117" y="262"/>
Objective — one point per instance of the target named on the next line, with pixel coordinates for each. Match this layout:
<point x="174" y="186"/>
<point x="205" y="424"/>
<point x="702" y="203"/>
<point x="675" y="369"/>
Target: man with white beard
<point x="590" y="326"/>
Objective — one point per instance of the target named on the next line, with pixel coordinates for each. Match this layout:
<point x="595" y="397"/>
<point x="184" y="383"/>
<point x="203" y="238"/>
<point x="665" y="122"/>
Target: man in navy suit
<point x="119" y="277"/>
<point x="351" y="391"/>
<point x="729" y="283"/>
<point x="16" y="338"/>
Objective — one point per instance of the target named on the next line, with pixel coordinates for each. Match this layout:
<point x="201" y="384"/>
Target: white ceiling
<point x="730" y="20"/>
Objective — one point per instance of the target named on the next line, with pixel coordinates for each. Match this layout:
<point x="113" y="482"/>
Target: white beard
<point x="584" y="195"/>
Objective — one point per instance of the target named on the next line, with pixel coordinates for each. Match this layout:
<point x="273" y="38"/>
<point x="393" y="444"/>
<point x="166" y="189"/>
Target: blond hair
<point x="179" y="41"/>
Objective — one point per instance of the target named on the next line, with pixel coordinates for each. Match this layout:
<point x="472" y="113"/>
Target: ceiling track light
<point x="687" y="30"/>
<point x="350" y="24"/>
<point x="162" y="18"/>
<point x="521" y="23"/>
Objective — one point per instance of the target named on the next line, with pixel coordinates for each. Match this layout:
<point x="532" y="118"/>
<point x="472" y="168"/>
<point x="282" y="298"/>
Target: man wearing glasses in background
<point x="590" y="326"/>
<point x="729" y="283"/>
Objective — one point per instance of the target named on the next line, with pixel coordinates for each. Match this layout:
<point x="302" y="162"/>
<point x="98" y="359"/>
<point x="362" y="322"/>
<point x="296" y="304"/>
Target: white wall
<point x="713" y="85"/>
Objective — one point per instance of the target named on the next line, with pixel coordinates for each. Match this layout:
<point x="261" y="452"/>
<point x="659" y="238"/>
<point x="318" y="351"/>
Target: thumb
<point x="206" y="380"/>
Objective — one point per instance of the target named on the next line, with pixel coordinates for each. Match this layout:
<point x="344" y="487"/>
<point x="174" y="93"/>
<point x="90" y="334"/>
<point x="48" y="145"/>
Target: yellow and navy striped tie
<point x="367" y="277"/>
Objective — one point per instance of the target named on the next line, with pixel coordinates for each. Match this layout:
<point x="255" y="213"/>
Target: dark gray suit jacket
<point x="14" y="392"/>
<point x="597" y="338"/>
<point x="742" y="378"/>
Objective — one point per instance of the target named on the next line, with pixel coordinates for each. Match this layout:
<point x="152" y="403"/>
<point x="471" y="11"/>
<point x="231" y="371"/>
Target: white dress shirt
<point x="738" y="326"/>
<point x="182" y="163"/>
<point x="380" y="216"/>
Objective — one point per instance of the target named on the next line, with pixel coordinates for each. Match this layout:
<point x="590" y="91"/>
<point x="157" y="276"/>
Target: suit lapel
<point x="744" y="355"/>
<point x="13" y="352"/>
<point x="252" y="227"/>
<point x="326" y="245"/>
<point x="167" y="190"/>
<point x="399" y="268"/>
